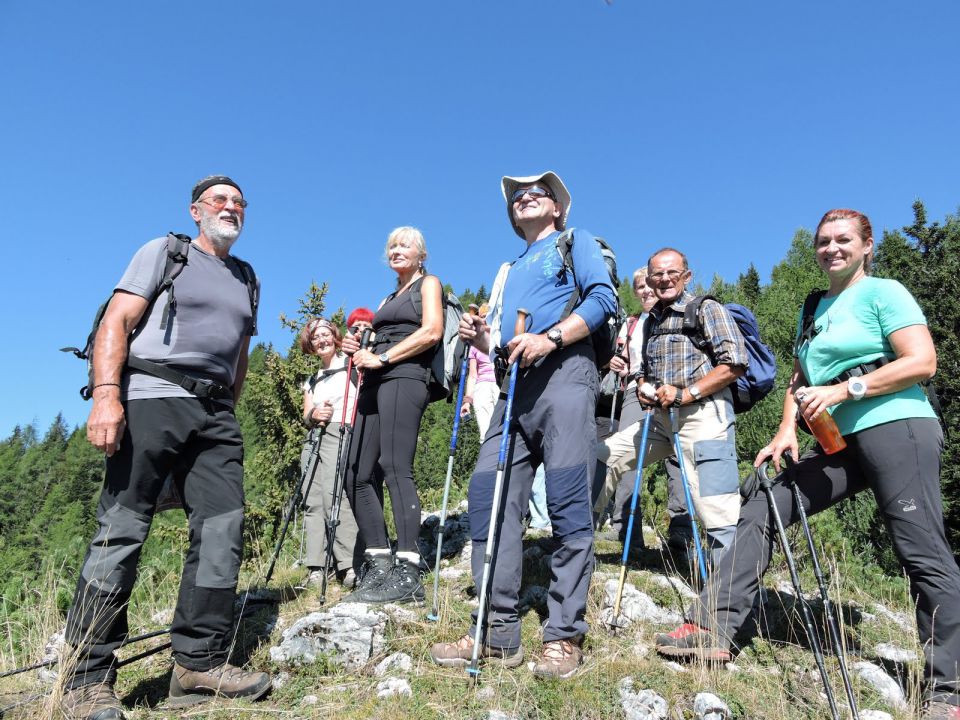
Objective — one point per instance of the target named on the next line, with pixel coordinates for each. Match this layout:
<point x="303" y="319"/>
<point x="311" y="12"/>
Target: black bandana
<point x="209" y="182"/>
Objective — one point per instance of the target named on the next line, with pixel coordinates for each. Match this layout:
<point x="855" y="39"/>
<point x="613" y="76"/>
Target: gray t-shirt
<point x="205" y="329"/>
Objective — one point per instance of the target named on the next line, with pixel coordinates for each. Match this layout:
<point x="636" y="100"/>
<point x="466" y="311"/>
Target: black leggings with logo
<point x="388" y="421"/>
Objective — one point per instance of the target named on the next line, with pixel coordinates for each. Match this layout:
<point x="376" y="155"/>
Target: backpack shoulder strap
<point x="178" y="247"/>
<point x="565" y="248"/>
<point x="253" y="290"/>
<point x="807" y="323"/>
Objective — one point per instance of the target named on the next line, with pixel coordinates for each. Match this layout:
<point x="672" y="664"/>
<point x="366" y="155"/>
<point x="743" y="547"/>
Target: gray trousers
<point x="553" y="424"/>
<point x="620" y="484"/>
<point x="347" y="551"/>
<point x="900" y="462"/>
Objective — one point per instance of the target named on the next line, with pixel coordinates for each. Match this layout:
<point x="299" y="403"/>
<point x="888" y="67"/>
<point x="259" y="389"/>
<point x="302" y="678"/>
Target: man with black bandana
<point x="171" y="416"/>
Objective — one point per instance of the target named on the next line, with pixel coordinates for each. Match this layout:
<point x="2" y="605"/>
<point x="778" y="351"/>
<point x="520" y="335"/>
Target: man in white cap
<point x="553" y="424"/>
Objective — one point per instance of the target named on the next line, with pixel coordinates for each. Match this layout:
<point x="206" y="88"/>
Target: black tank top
<point x="397" y="319"/>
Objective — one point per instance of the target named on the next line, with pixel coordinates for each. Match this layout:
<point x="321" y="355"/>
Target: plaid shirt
<point x="674" y="360"/>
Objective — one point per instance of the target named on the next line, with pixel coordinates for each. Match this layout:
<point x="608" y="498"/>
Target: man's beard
<point x="221" y="234"/>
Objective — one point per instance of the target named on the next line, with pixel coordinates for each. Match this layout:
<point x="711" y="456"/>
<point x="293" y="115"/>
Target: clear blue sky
<point x="720" y="128"/>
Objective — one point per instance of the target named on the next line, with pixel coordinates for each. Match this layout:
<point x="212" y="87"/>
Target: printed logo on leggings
<point x="908" y="505"/>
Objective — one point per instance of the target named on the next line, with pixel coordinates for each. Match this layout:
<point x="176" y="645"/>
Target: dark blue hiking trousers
<point x="553" y="424"/>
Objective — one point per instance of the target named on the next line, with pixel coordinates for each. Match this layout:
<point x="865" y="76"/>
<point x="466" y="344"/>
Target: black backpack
<point x="178" y="248"/>
<point x="448" y="356"/>
<point x="604" y="338"/>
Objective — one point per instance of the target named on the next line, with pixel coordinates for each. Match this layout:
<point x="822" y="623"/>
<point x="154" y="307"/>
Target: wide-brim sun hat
<point x="550" y="178"/>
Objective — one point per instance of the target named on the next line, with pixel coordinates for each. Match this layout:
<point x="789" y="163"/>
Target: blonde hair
<point x="639" y="275"/>
<point x="406" y="232"/>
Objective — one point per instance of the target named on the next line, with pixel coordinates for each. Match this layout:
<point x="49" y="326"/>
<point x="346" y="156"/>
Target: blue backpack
<point x="757" y="382"/>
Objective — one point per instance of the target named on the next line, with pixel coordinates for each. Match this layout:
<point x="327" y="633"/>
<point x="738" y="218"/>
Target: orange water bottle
<point x="825" y="430"/>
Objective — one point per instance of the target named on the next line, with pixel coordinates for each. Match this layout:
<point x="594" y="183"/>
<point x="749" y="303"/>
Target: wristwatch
<point x="555" y="336"/>
<point x="857" y="388"/>
<point x="384" y="358"/>
<point x="694" y="392"/>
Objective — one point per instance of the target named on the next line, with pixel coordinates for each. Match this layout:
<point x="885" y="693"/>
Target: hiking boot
<point x="92" y="702"/>
<point x="188" y="687"/>
<point x="401" y="585"/>
<point x="691" y="641"/>
<point x="559" y="658"/>
<point x="937" y="710"/>
<point x="460" y="653"/>
<point x="347" y="578"/>
<point x="373" y="572"/>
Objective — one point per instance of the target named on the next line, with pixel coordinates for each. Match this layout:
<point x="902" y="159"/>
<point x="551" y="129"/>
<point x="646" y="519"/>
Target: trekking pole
<point x="828" y="610"/>
<point x="294" y="502"/>
<point x="340" y="471"/>
<point x="766" y="484"/>
<point x="474" y="668"/>
<point x="613" y="404"/>
<point x="641" y="456"/>
<point x="435" y="614"/>
<point x="697" y="542"/>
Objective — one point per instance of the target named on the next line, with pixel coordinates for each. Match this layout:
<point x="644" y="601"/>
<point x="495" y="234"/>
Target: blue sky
<point x="720" y="128"/>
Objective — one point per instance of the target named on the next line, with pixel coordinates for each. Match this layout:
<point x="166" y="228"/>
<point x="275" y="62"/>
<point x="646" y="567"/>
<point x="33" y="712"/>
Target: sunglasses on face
<point x="536" y="191"/>
<point x="218" y="202"/>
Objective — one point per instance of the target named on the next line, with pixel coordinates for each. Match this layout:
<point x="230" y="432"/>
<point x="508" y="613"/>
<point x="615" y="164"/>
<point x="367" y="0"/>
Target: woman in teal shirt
<point x="893" y="447"/>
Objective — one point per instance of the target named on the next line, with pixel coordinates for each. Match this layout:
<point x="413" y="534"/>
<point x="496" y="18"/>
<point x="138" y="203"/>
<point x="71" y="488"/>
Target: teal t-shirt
<point x="852" y="329"/>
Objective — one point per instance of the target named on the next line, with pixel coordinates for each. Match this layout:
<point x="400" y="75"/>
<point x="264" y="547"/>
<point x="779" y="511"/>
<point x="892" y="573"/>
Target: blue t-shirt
<point x="852" y="329"/>
<point x="536" y="284"/>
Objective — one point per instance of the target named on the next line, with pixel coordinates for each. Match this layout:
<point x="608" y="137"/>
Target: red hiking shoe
<point x="692" y="642"/>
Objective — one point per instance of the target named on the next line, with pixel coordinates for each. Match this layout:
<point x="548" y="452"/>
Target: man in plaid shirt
<point x="695" y="383"/>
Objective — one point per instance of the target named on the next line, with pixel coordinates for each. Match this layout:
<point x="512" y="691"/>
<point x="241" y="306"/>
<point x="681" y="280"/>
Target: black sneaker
<point x="401" y="585"/>
<point x="374" y="571"/>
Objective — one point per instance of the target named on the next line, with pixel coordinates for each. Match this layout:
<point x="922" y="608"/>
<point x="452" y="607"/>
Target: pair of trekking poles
<point x="473" y="670"/>
<point x="299" y="496"/>
<point x="615" y="622"/>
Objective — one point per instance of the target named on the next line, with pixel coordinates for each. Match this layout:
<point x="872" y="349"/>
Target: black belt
<point x="201" y="387"/>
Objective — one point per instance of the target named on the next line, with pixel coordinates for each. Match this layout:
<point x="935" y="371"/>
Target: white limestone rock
<point x="642" y="705"/>
<point x="348" y="634"/>
<point x="888" y="688"/>
<point x="889" y="651"/>
<point x="392" y="687"/>
<point x="396" y="663"/>
<point x="707" y="706"/>
<point x="635" y="606"/>
<point x="675" y="583"/>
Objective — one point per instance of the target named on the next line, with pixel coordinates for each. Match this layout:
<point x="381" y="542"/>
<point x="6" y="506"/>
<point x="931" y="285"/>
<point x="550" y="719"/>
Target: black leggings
<point x="388" y="420"/>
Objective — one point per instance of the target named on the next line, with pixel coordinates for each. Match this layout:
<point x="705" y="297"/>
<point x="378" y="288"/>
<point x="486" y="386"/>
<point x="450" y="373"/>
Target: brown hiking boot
<point x="188" y="687"/>
<point x="559" y="658"/>
<point x="692" y="641"/>
<point x="460" y="653"/>
<point x="92" y="702"/>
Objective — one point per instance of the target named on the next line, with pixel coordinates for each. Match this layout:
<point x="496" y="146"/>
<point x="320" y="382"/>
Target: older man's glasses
<point x="671" y="275"/>
<point x="536" y="192"/>
<point x="218" y="202"/>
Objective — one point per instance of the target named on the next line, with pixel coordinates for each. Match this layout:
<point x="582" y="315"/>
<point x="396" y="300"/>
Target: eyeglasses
<point x="218" y="202"/>
<point x="671" y="275"/>
<point x="534" y="191"/>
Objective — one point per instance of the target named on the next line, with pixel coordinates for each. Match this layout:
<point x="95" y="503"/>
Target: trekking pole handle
<point x="365" y="338"/>
<point x="521" y="325"/>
